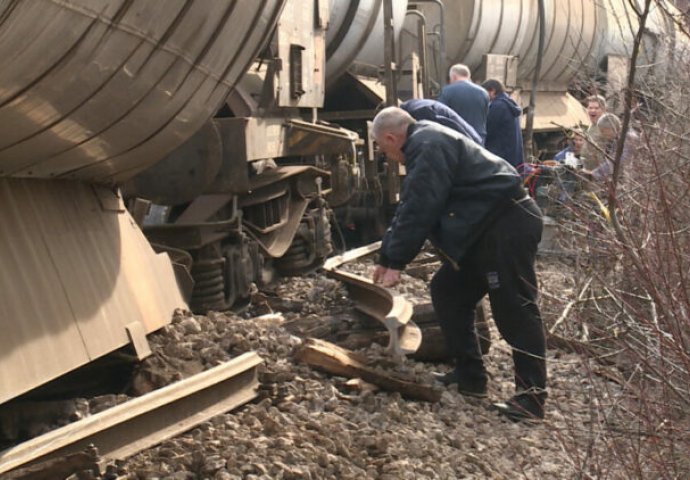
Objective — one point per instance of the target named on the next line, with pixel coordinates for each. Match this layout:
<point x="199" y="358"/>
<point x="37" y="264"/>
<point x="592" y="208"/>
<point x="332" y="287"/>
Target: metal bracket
<point x="109" y="199"/>
<point x="137" y="336"/>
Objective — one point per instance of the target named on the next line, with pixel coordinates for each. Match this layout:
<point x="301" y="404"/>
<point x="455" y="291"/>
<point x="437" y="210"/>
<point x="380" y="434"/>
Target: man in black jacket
<point x="471" y="205"/>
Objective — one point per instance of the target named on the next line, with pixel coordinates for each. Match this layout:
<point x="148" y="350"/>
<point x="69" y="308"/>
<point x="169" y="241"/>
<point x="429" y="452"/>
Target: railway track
<point x="137" y="424"/>
<point x="126" y="429"/>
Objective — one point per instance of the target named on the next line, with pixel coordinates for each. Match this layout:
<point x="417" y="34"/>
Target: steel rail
<point x="393" y="311"/>
<point x="143" y="422"/>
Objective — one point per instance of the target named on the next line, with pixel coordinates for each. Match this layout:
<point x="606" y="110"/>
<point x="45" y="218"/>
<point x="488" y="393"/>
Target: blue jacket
<point x="503" y="134"/>
<point x="425" y="109"/>
<point x="468" y="100"/>
<point x="452" y="188"/>
<point x="560" y="156"/>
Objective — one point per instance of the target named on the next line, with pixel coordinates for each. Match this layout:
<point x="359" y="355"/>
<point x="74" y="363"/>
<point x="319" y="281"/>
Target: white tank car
<point x="355" y="34"/>
<point x="474" y="28"/>
<point x="662" y="42"/>
<point x="98" y="89"/>
<point x="579" y="36"/>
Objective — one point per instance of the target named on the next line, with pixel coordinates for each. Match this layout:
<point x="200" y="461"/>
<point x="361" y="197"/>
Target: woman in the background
<point x="609" y="126"/>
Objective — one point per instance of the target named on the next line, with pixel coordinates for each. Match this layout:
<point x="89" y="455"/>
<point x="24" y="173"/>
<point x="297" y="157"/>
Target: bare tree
<point x="633" y="307"/>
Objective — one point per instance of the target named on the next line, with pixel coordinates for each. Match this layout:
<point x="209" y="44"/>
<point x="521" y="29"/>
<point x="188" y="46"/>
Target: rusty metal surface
<point x="214" y="159"/>
<point x="299" y="42"/>
<point x="128" y="428"/>
<point x="76" y="270"/>
<point x="555" y="110"/>
<point x="183" y="174"/>
<point x="255" y="138"/>
<point x="99" y="89"/>
<point x="393" y="311"/>
<point x="291" y="188"/>
<point x="275" y="242"/>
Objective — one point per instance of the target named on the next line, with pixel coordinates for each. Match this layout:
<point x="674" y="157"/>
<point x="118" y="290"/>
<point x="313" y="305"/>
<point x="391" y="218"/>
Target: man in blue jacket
<point x="435" y="111"/>
<point x="503" y="134"/>
<point x="471" y="205"/>
<point x="467" y="99"/>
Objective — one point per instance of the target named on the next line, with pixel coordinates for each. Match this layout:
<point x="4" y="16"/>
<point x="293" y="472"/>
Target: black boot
<point x="472" y="388"/>
<point x="446" y="379"/>
<point x="524" y="406"/>
<point x="469" y="375"/>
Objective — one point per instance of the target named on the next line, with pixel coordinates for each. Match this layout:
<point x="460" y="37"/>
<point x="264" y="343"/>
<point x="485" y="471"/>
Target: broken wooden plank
<point x="432" y="349"/>
<point x="338" y="361"/>
<point x="333" y="262"/>
<point x="435" y="348"/>
<point x="143" y="422"/>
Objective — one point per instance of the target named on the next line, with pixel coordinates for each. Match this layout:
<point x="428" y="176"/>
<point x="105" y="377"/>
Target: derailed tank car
<point x="259" y="206"/>
<point x="92" y="92"/>
<point x="588" y="40"/>
<point x="218" y="113"/>
<point x="256" y="186"/>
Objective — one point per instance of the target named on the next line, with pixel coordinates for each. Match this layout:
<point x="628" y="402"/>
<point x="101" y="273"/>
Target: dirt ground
<point x="310" y="425"/>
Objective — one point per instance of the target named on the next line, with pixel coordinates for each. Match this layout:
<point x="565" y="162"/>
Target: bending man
<point x="471" y="205"/>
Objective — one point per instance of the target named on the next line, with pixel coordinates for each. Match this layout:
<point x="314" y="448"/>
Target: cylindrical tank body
<point x="510" y="27"/>
<point x="355" y="33"/>
<point x="99" y="89"/>
<point x="579" y="34"/>
<point x="660" y="43"/>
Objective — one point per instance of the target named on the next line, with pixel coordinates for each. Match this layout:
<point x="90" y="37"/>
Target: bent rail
<point x="393" y="311"/>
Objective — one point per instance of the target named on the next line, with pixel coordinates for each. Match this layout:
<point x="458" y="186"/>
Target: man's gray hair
<point x="460" y="70"/>
<point x="609" y="120"/>
<point x="391" y="119"/>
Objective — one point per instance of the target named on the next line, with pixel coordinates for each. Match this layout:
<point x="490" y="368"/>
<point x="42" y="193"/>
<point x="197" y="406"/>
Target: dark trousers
<point x="501" y="263"/>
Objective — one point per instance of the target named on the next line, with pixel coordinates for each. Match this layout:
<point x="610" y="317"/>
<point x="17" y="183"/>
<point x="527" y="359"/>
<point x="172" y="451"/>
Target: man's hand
<point x="387" y="277"/>
<point x="379" y="271"/>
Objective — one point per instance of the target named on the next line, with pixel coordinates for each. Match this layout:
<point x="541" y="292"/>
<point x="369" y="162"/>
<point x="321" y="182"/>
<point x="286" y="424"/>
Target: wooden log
<point x="433" y="347"/>
<point x="338" y="361"/>
<point x="359" y="339"/>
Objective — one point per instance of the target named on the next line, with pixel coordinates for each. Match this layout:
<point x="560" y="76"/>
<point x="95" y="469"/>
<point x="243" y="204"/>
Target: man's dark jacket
<point x="427" y="109"/>
<point x="453" y="188"/>
<point x="468" y="100"/>
<point x="503" y="134"/>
